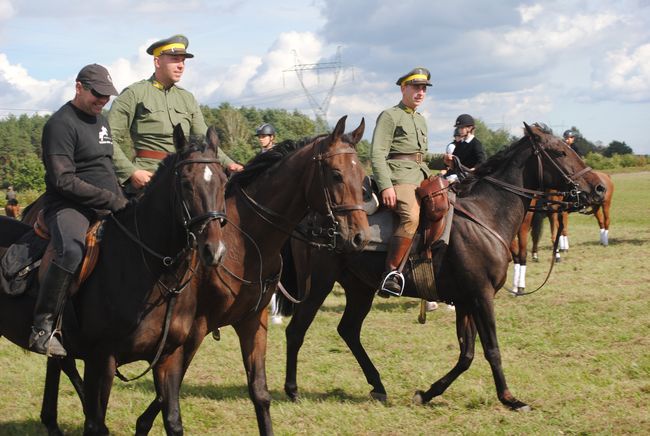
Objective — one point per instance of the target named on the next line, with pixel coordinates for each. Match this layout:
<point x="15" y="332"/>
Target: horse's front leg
<point x="252" y="332"/>
<point x="98" y="381"/>
<point x="49" y="406"/>
<point x="168" y="375"/>
<point x="466" y="334"/>
<point x="485" y="321"/>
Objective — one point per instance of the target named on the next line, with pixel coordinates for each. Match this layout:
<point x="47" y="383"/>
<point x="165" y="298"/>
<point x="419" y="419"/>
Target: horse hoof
<point x="382" y="398"/>
<point x="524" y="408"/>
<point x="417" y="398"/>
<point x="422" y="319"/>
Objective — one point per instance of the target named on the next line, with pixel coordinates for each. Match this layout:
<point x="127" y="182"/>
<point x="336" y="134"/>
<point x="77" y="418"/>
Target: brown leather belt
<point x="151" y="154"/>
<point x="415" y="157"/>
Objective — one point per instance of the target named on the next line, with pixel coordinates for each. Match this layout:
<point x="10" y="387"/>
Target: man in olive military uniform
<point x="399" y="155"/>
<point x="148" y="110"/>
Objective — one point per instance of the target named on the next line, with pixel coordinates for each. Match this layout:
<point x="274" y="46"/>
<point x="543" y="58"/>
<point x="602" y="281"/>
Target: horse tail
<point x="537" y="225"/>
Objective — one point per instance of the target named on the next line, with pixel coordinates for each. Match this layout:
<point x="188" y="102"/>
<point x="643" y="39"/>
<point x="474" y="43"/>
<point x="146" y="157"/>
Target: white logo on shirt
<point x="104" y="138"/>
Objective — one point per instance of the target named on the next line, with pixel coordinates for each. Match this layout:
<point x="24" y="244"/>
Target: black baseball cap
<point x="96" y="77"/>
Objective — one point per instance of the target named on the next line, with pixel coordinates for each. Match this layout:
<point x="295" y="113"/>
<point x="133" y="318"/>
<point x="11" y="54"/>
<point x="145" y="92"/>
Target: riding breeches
<point x="408" y="210"/>
<point x="68" y="229"/>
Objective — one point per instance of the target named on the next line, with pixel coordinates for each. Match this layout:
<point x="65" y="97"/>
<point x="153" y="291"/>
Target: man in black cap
<point x="79" y="179"/>
<point x="147" y="111"/>
<point x="469" y="149"/>
<point x="399" y="155"/>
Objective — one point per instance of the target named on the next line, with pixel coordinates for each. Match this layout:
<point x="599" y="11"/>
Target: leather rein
<point x="170" y="293"/>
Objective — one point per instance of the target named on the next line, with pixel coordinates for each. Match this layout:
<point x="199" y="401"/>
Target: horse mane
<point x="263" y="161"/>
<point x="498" y="160"/>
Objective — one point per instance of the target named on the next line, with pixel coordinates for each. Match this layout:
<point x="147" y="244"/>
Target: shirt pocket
<point x="183" y="117"/>
<point x="150" y="120"/>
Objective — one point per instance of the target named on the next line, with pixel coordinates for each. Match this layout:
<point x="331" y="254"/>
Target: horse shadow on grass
<point x="225" y="392"/>
<point x="393" y="304"/>
<point x="32" y="427"/>
<point x="618" y="241"/>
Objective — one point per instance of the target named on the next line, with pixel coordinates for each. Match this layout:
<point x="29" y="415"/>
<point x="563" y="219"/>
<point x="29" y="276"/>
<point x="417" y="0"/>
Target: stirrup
<point x="400" y="281"/>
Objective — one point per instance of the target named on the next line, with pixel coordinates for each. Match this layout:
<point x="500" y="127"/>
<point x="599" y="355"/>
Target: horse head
<point x="336" y="190"/>
<point x="561" y="168"/>
<point x="199" y="187"/>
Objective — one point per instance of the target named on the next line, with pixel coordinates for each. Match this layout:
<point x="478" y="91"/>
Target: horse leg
<point x="600" y="217"/>
<point x="49" y="406"/>
<point x="466" y="333"/>
<point x="553" y="220"/>
<point x="146" y="419"/>
<point x="98" y="381"/>
<point x="300" y="322"/>
<point x="564" y="241"/>
<point x="168" y="375"/>
<point x="252" y="333"/>
<point x="483" y="315"/>
<point x="358" y="303"/>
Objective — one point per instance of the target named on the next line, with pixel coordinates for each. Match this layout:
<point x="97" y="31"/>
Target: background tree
<point x="617" y="147"/>
<point x="492" y="140"/>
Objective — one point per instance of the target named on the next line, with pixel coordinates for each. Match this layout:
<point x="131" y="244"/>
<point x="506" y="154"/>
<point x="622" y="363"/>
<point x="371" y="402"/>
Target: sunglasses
<point x="94" y="93"/>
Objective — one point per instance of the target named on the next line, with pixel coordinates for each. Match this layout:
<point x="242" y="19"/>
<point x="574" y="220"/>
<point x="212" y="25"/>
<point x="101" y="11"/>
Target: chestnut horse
<point x="533" y="223"/>
<point x="489" y="209"/>
<point x="121" y="312"/>
<point x="263" y="207"/>
<point x="12" y="210"/>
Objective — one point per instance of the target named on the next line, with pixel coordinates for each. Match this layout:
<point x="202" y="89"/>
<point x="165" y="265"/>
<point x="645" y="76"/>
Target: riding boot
<point x="397" y="249"/>
<point x="49" y="304"/>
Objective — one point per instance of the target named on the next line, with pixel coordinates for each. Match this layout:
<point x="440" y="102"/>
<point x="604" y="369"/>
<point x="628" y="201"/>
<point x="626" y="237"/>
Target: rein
<point x="170" y="293"/>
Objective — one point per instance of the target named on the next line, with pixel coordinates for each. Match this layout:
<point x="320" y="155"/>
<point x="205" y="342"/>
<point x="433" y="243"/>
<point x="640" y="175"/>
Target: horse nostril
<point x="359" y="240"/>
<point x="600" y="189"/>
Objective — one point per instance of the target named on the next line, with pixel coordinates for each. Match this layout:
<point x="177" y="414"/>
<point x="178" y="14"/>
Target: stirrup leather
<point x="400" y="280"/>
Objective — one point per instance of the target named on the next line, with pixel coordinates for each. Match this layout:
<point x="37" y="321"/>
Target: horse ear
<point x="529" y="130"/>
<point x="180" y="141"/>
<point x="357" y="133"/>
<point x="212" y="139"/>
<point x="339" y="130"/>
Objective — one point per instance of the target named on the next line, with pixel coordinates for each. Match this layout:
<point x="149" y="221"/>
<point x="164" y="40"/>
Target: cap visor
<point x="105" y="89"/>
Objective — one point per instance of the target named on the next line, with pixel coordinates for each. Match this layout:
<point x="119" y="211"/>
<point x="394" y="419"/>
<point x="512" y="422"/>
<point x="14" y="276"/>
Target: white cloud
<point x="624" y="72"/>
<point x="528" y="13"/>
<point x="6" y="10"/>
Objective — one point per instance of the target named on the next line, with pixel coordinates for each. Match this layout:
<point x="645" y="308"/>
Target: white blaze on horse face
<point x="207" y="174"/>
<point x="354" y="162"/>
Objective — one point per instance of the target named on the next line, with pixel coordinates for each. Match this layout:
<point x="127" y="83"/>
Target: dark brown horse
<point x="119" y="314"/>
<point x="473" y="268"/>
<point x="263" y="207"/>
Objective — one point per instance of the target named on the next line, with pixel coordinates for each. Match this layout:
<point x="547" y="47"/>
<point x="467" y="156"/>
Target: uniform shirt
<point x="147" y="112"/>
<point x="399" y="130"/>
<point x="470" y="152"/>
<point x="77" y="154"/>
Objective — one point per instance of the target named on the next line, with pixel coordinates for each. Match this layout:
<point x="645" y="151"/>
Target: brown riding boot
<point x="390" y="283"/>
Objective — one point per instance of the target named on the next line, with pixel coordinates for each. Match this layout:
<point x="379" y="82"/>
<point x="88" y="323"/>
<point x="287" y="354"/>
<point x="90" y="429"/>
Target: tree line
<point x="20" y="141"/>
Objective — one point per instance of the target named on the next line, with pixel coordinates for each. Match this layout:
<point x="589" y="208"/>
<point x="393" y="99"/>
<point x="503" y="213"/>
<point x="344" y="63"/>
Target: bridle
<point x="189" y="222"/>
<point x="544" y="202"/>
<point x="330" y="232"/>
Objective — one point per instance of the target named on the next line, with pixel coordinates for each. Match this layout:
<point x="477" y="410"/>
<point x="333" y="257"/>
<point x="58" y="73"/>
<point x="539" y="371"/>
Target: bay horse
<point x="533" y="223"/>
<point x="489" y="209"/>
<point x="134" y="305"/>
<point x="263" y="207"/>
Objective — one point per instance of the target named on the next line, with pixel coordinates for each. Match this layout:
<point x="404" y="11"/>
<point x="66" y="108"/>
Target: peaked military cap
<point x="417" y="76"/>
<point x="174" y="45"/>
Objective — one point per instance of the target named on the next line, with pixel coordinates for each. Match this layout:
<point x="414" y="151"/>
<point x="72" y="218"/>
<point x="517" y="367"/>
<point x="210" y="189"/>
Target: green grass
<point x="578" y="351"/>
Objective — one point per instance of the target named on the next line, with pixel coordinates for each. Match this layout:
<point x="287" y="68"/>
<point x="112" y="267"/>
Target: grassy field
<point x="578" y="352"/>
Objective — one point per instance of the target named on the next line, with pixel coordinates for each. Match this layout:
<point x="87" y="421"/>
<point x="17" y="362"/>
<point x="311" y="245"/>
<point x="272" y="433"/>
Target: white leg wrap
<point x="604" y="240"/>
<point x="515" y="277"/>
<point x="522" y="276"/>
<point x="566" y="243"/>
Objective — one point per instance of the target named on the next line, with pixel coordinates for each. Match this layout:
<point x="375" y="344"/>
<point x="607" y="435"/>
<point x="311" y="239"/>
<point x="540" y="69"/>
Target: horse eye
<point x="337" y="176"/>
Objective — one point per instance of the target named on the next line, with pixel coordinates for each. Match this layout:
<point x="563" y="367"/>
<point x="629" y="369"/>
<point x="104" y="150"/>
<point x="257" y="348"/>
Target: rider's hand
<point x="389" y="198"/>
<point x="235" y="167"/>
<point x="140" y="178"/>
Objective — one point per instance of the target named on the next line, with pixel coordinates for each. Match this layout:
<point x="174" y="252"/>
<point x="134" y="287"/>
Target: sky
<point x="562" y="62"/>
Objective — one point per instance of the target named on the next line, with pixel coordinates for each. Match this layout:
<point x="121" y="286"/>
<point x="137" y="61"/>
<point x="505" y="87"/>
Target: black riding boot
<point x="49" y="304"/>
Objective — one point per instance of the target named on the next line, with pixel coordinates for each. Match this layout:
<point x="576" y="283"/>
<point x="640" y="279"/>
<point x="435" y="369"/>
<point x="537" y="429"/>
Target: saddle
<point x="429" y="246"/>
<point x="34" y="251"/>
